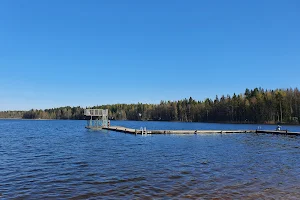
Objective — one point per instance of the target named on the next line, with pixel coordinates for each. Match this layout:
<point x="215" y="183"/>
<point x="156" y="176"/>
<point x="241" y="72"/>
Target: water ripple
<point x="62" y="160"/>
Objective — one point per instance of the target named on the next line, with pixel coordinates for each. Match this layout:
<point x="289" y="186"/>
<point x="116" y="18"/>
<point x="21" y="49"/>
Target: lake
<point x="59" y="159"/>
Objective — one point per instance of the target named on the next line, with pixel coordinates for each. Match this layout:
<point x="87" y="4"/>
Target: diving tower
<point x="98" y="118"/>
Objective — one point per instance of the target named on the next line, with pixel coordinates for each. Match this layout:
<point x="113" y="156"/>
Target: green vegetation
<point x="254" y="106"/>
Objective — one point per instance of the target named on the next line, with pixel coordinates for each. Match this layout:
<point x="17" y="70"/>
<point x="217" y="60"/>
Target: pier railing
<point x="95" y="112"/>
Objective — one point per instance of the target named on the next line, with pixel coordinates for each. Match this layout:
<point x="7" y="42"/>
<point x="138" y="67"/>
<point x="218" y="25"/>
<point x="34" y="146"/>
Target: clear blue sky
<point x="56" y="53"/>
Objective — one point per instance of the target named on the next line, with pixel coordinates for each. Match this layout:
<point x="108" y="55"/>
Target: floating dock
<point x="282" y="132"/>
<point x="144" y="131"/>
<point x="99" y="121"/>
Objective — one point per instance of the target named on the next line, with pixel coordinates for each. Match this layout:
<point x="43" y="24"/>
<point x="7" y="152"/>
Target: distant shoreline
<point x="250" y="123"/>
<point x="29" y="119"/>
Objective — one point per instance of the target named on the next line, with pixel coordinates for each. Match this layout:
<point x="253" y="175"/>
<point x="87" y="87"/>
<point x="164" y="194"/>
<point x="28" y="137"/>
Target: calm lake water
<point x="61" y="159"/>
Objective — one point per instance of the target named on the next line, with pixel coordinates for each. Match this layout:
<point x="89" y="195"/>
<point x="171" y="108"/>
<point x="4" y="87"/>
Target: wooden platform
<point x="137" y="131"/>
<point x="283" y="132"/>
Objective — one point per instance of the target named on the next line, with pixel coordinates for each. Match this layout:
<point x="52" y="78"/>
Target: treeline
<point x="54" y="113"/>
<point x="12" y="114"/>
<point x="254" y="106"/>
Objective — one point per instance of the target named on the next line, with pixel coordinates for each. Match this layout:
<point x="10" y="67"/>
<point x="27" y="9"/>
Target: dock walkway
<point x="283" y="132"/>
<point x="139" y="131"/>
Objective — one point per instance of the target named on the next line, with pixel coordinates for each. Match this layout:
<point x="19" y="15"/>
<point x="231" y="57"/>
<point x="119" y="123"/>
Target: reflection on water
<point x="60" y="159"/>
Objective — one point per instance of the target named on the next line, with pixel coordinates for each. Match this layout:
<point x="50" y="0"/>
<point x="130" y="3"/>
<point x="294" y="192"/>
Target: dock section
<point x="144" y="131"/>
<point x="282" y="132"/>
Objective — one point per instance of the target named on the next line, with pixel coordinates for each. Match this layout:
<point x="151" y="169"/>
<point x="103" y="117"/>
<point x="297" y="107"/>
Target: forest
<point x="253" y="106"/>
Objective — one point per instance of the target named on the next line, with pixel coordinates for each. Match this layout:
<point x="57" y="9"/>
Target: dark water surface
<point x="62" y="160"/>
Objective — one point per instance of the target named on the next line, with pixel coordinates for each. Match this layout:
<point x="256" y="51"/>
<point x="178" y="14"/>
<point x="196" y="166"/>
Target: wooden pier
<point x="99" y="120"/>
<point x="143" y="131"/>
<point x="139" y="131"/>
<point x="282" y="132"/>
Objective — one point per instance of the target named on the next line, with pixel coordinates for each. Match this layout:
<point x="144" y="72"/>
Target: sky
<point x="81" y="53"/>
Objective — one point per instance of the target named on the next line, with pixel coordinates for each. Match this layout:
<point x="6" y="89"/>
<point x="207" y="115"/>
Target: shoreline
<point x="30" y="119"/>
<point x="250" y="123"/>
